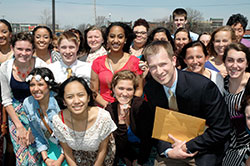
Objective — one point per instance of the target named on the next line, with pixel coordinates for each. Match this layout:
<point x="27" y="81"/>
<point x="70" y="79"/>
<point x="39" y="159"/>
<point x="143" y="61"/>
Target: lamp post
<point x="53" y="16"/>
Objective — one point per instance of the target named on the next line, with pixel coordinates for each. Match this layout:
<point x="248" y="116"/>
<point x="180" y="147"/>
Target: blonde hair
<point x="69" y="36"/>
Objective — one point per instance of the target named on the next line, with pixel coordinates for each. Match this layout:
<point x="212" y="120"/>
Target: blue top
<point x="132" y="137"/>
<point x="209" y="65"/>
<point x="20" y="90"/>
<point x="31" y="107"/>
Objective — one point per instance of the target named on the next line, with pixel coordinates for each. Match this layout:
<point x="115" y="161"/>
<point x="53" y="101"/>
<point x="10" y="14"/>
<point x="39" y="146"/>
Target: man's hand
<point x="179" y="150"/>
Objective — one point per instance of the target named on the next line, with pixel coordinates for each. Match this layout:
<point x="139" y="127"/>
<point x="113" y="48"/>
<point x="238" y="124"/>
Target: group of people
<point x="90" y="99"/>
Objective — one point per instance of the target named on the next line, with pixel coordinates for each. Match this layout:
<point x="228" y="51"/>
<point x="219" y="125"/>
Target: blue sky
<point x="75" y="12"/>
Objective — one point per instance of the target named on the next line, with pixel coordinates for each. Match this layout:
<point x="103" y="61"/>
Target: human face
<point x="116" y="38"/>
<point x="42" y="39"/>
<point x="162" y="68"/>
<point x="23" y="51"/>
<point x="195" y="59"/>
<point x="221" y="40"/>
<point x="239" y="31"/>
<point x="160" y="36"/>
<point x="247" y="114"/>
<point x="39" y="89"/>
<point x="76" y="97"/>
<point x="205" y="39"/>
<point x="5" y="35"/>
<point x="124" y="91"/>
<point x="181" y="40"/>
<point x="68" y="50"/>
<point x="179" y="21"/>
<point x="236" y="63"/>
<point x="141" y="35"/>
<point x="94" y="39"/>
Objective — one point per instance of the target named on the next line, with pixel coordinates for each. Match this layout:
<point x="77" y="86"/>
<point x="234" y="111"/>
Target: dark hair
<point x="6" y="23"/>
<point x="164" y="30"/>
<point x="82" y="40"/>
<point x="92" y="28"/>
<point x="193" y="44"/>
<point x="142" y="22"/>
<point x="22" y="36"/>
<point x="238" y="18"/>
<point x="45" y="72"/>
<point x="60" y="95"/>
<point x="48" y="29"/>
<point x="245" y="102"/>
<point x="182" y="30"/>
<point x="237" y="47"/>
<point x="180" y="12"/>
<point x="129" y="35"/>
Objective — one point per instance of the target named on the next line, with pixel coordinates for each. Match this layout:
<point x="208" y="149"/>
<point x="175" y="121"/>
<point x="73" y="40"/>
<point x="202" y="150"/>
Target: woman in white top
<point x="14" y="90"/>
<point x="82" y="129"/>
<point x="195" y="56"/>
<point x="94" y="43"/>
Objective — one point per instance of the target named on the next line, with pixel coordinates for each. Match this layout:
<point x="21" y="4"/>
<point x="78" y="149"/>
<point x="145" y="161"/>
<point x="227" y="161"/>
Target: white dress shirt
<point x="79" y="69"/>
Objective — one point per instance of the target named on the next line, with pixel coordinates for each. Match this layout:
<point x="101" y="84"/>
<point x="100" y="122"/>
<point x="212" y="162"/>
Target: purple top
<point x="245" y="42"/>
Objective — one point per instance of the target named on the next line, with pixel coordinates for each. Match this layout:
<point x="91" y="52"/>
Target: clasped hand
<point x="25" y="137"/>
<point x="179" y="150"/>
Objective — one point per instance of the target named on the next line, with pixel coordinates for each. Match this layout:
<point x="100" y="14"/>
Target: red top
<point x="105" y="75"/>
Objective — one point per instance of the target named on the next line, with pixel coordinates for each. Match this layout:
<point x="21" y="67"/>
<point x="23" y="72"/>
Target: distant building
<point x="247" y="34"/>
<point x="27" y="27"/>
<point x="216" y="22"/>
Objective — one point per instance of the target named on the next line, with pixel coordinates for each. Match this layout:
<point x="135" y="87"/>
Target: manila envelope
<point x="182" y="126"/>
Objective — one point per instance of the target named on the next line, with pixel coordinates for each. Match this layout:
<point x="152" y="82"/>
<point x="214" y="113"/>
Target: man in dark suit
<point x="194" y="95"/>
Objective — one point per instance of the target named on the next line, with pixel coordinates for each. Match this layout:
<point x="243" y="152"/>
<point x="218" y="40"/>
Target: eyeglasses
<point x="142" y="32"/>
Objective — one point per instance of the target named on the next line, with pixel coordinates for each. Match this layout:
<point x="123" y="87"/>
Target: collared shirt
<point x="173" y="87"/>
<point x="79" y="69"/>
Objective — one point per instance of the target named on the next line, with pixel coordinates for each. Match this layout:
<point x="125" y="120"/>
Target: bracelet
<point x="45" y="159"/>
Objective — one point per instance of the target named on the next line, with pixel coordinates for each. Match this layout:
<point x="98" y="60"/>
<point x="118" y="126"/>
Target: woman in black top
<point x="133" y="118"/>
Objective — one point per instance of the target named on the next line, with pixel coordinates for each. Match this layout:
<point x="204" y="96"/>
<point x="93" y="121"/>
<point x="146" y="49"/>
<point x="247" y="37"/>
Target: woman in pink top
<point x="119" y="38"/>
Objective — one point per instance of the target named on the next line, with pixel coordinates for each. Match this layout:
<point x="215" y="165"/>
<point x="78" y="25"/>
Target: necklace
<point x="23" y="74"/>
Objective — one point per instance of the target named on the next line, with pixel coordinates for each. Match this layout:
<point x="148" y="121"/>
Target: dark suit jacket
<point x="197" y="96"/>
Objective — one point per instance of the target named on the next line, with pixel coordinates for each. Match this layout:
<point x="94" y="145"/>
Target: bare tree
<point x="46" y="17"/>
<point x="101" y="21"/>
<point x="83" y="27"/>
<point x="194" y="15"/>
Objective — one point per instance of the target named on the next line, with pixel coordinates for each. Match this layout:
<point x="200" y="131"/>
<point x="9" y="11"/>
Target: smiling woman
<point x="134" y="119"/>
<point x="40" y="109"/>
<point x="119" y="38"/>
<point x="14" y="90"/>
<point x="94" y="45"/>
<point x="237" y="86"/>
<point x="43" y="44"/>
<point x="83" y="130"/>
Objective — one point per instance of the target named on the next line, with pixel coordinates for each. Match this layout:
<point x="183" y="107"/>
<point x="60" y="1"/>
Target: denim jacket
<point x="31" y="107"/>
